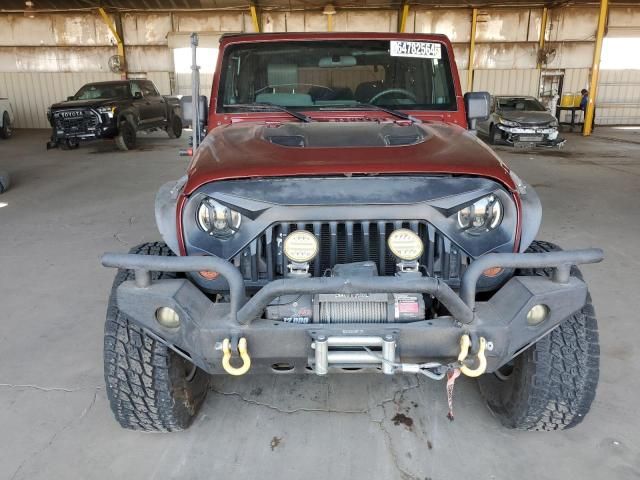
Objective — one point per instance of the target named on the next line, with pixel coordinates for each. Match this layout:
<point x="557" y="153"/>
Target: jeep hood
<point x="251" y="149"/>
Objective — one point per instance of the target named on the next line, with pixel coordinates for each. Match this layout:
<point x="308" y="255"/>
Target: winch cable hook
<point x="244" y="356"/>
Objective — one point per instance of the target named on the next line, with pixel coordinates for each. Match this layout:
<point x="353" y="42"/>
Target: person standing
<point x="584" y="101"/>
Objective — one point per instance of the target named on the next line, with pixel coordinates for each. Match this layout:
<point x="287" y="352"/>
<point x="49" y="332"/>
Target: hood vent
<point x="397" y="140"/>
<point x="288" y="140"/>
<point x="343" y="135"/>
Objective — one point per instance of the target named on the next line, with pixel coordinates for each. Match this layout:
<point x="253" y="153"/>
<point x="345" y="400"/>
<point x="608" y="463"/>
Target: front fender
<point x="531" y="216"/>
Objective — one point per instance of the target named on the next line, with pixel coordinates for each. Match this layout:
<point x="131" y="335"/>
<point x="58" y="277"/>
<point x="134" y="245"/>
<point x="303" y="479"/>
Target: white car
<point x="6" y="118"/>
<point x="520" y="121"/>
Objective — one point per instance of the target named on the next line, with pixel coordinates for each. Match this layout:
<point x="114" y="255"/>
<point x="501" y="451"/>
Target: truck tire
<point x="551" y="385"/>
<point x="70" y="144"/>
<point x="494" y="135"/>
<point x="4" y="181"/>
<point x="126" y="139"/>
<point x="6" y="131"/>
<point x="174" y="130"/>
<point x="149" y="386"/>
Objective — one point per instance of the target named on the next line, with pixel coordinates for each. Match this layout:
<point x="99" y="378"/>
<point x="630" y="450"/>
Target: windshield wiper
<point x="272" y="106"/>
<point x="394" y="113"/>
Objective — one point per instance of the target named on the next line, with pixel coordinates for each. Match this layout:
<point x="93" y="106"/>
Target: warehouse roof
<point x="49" y="5"/>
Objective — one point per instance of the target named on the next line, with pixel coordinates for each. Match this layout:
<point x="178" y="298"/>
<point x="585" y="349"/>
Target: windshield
<point x="520" y="105"/>
<point x="336" y="74"/>
<point x="102" y="91"/>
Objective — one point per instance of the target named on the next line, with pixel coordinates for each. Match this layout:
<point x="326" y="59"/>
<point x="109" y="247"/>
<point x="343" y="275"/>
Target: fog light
<point x="405" y="244"/>
<point x="537" y="314"/>
<point x="300" y="246"/>
<point x="168" y="317"/>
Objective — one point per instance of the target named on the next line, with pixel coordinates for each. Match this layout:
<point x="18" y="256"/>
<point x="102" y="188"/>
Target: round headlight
<point x="405" y="244"/>
<point x="300" y="246"/>
<point x="217" y="219"/>
<point x="483" y="215"/>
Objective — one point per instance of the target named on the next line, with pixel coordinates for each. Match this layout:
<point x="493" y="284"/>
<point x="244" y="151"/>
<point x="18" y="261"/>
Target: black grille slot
<point x="351" y="241"/>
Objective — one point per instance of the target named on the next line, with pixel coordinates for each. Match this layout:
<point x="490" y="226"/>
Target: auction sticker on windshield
<point x="400" y="48"/>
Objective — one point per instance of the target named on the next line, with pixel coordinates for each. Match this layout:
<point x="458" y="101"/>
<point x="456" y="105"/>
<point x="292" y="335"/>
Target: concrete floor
<point x="66" y="208"/>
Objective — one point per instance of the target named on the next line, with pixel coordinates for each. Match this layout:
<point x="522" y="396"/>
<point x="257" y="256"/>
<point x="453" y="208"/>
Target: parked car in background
<point x="117" y="109"/>
<point x="6" y="118"/>
<point x="520" y="121"/>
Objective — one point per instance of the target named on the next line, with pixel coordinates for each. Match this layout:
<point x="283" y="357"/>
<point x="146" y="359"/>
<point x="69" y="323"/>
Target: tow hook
<point x="244" y="356"/>
<point x="465" y="343"/>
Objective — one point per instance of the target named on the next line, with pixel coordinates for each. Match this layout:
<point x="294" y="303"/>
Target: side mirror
<point x="478" y="107"/>
<point x="137" y="95"/>
<point x="71" y="98"/>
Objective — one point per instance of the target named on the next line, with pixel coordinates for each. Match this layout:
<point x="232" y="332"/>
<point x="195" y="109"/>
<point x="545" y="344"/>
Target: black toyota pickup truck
<point x="117" y="109"/>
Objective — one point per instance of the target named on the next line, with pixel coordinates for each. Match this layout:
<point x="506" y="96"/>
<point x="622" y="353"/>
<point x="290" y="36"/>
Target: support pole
<point x="195" y="92"/>
<point x="472" y="49"/>
<point x="116" y="35"/>
<point x="595" y="69"/>
<point x="402" y="26"/>
<point x="329" y="23"/>
<point x="543" y="31"/>
<point x="254" y="18"/>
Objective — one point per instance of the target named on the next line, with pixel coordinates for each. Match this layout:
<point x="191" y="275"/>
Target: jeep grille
<point x="350" y="241"/>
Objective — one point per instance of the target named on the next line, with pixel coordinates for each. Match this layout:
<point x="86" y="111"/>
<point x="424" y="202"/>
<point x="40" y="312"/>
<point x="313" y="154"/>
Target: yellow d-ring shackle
<point x="244" y="355"/>
<point x="465" y="343"/>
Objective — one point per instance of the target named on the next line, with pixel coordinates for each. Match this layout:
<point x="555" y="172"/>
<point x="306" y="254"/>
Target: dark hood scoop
<point x="342" y="135"/>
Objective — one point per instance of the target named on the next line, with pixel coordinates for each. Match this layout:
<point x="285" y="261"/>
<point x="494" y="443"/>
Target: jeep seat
<point x="282" y="79"/>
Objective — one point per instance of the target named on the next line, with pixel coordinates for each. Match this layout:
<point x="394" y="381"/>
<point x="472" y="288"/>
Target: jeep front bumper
<point x="204" y="325"/>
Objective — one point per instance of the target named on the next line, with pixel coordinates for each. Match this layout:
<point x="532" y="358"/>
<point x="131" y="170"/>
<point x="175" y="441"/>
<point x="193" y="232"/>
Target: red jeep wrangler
<point x="342" y="215"/>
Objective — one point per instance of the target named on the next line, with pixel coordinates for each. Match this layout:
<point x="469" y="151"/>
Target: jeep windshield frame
<point x="326" y="74"/>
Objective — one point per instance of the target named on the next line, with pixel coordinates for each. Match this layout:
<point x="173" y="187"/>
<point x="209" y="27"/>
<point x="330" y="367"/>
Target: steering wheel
<point x="389" y="91"/>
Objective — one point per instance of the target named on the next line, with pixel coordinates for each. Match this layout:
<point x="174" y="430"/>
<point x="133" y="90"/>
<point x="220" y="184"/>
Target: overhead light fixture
<point x="29" y="9"/>
<point x="329" y="9"/>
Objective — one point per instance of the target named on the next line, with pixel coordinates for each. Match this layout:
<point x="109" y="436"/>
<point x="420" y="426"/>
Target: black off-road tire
<point x="126" y="138"/>
<point x="551" y="385"/>
<point x="6" y="131"/>
<point x="494" y="135"/>
<point x="174" y="129"/>
<point x="4" y="181"/>
<point x="69" y="144"/>
<point x="149" y="386"/>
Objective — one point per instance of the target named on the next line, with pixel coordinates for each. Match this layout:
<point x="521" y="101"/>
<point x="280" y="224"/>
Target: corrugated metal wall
<point x="32" y="93"/>
<point x="45" y="59"/>
<point x="618" y="99"/>
<point x="183" y="84"/>
<point x="507" y="82"/>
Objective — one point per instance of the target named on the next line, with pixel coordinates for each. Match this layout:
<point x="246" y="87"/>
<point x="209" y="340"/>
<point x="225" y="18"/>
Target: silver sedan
<point x="520" y="121"/>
